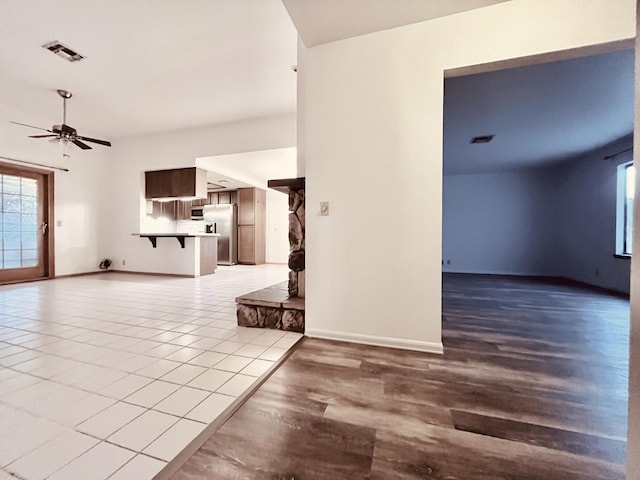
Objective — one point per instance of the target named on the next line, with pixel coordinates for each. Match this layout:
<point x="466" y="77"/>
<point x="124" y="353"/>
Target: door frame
<point x="48" y="183"/>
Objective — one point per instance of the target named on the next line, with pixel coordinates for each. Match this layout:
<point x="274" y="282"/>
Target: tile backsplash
<point x="190" y="226"/>
<point x="158" y="225"/>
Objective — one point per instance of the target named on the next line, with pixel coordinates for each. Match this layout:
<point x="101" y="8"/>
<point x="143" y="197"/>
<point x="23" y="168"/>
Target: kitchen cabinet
<point x="172" y="210"/>
<point x="223" y="198"/>
<point x="176" y="183"/>
<point x="156" y="184"/>
<point x="251" y="225"/>
<point x="164" y="210"/>
<point x="246" y="244"/>
<point x="183" y="210"/>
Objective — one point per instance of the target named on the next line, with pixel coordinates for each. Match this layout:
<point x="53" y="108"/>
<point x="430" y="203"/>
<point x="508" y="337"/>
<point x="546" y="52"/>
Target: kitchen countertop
<point x="180" y="236"/>
<point x="175" y="234"/>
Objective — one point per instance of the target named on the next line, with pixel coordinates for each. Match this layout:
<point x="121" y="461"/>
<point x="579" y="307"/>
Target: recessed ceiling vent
<point x="214" y="186"/>
<point x="63" y="51"/>
<point x="482" y="139"/>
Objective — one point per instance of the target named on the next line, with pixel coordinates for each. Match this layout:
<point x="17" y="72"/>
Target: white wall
<point x="500" y="223"/>
<point x="371" y="121"/>
<point x="587" y="230"/>
<point x="81" y="198"/>
<point x="133" y="156"/>
<point x="554" y="221"/>
<point x="277" y="225"/>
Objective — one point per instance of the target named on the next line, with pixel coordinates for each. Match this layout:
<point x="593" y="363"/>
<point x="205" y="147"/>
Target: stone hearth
<point x="281" y="306"/>
<point x="271" y="307"/>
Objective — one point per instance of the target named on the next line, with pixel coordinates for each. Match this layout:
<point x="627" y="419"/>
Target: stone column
<point x="296" y="242"/>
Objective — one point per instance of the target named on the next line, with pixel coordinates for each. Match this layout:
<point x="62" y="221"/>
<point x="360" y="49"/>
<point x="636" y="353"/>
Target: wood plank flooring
<point x="532" y="385"/>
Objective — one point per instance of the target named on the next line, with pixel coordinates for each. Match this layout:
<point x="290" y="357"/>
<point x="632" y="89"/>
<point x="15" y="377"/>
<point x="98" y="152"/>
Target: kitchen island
<point x="176" y="254"/>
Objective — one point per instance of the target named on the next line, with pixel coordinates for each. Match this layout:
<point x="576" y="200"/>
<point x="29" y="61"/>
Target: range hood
<point x="176" y="184"/>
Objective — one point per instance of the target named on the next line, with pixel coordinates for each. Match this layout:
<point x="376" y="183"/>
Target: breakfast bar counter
<point x="196" y="258"/>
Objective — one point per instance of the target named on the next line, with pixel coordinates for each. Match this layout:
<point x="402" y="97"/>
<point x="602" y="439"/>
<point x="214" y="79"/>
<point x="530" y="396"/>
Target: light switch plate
<point x="324" y="208"/>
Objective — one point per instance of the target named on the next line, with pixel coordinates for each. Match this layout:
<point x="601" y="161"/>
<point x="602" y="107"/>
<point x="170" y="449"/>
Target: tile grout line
<point x="222" y="418"/>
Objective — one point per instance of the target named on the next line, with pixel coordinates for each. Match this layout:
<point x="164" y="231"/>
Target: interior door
<point x="26" y="245"/>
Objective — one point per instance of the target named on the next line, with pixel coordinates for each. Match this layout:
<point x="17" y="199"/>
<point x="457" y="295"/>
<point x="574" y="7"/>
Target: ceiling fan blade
<point x="42" y="136"/>
<point x="83" y="146"/>
<point x="95" y="140"/>
<point x="30" y="126"/>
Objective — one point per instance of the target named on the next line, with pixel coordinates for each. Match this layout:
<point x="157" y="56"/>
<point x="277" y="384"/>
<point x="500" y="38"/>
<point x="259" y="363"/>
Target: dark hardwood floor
<point x="532" y="385"/>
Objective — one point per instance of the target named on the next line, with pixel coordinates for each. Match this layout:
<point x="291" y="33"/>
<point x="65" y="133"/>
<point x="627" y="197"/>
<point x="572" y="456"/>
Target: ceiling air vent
<point x="482" y="139"/>
<point x="214" y="186"/>
<point x="63" y="51"/>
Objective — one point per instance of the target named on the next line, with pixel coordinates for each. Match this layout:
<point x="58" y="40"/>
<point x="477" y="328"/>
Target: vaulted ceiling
<point x="163" y="65"/>
<point x="150" y="65"/>
<point x="329" y="20"/>
<point x="155" y="66"/>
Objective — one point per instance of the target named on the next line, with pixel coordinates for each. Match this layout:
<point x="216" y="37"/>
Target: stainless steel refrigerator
<point x="222" y="219"/>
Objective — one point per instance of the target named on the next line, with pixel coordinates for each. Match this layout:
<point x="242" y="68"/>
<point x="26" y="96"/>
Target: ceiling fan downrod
<point x="65" y="95"/>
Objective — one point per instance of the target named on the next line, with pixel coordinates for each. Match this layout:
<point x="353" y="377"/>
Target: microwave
<point x="197" y="213"/>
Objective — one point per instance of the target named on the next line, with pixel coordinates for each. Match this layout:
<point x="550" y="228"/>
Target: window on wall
<point x="626" y="194"/>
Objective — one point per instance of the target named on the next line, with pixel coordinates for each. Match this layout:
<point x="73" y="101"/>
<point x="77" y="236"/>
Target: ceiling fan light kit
<point x="64" y="133"/>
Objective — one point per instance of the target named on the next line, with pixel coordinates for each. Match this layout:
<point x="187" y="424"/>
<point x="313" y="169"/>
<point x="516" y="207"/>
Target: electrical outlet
<point x="324" y="209"/>
<point x="58" y="223"/>
<point x="124" y="262"/>
<point x="448" y="262"/>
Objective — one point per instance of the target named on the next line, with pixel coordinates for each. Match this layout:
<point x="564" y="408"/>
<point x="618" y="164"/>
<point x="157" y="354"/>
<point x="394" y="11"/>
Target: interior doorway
<point x="531" y="167"/>
<point x="530" y="252"/>
<point x="26" y="211"/>
<point x="532" y="154"/>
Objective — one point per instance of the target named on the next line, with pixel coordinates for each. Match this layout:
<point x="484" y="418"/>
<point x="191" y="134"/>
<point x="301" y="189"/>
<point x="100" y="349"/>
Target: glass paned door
<point x="23" y="226"/>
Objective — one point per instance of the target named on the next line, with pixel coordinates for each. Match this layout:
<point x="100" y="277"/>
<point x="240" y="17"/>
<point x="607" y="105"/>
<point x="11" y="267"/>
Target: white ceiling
<point x="150" y="65"/>
<point x="250" y="169"/>
<point x="322" y="21"/>
<point x="159" y="65"/>
<point x="539" y="114"/>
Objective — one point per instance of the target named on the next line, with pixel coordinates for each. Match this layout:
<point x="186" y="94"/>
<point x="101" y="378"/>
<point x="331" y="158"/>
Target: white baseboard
<point x="405" y="344"/>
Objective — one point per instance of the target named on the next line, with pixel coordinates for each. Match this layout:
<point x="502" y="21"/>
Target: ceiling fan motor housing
<point x="65" y="131"/>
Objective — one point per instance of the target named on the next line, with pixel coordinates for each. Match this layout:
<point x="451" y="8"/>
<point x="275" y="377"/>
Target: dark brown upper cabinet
<point x="185" y="183"/>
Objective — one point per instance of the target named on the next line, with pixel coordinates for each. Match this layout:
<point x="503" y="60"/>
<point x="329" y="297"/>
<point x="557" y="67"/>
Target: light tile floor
<point x="109" y="376"/>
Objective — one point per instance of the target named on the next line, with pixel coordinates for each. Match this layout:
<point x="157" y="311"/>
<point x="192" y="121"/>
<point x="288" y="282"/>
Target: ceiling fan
<point x="64" y="133"/>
